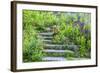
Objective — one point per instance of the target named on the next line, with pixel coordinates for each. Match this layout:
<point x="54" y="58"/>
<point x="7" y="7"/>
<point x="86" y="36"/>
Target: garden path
<point x="54" y="52"/>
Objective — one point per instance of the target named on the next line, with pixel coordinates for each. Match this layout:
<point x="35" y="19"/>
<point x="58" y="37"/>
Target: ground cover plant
<point x="56" y="36"/>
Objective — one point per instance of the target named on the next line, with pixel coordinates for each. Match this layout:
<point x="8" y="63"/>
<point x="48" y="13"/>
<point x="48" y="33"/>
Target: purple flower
<point x="87" y="31"/>
<point x="81" y="24"/>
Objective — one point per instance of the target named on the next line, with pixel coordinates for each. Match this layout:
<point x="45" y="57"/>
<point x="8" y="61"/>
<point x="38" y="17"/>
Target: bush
<point x="71" y="28"/>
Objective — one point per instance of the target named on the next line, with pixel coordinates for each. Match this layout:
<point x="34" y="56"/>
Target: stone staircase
<point x="55" y="52"/>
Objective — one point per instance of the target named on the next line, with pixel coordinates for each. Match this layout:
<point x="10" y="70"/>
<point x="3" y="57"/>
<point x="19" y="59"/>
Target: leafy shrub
<point x="71" y="28"/>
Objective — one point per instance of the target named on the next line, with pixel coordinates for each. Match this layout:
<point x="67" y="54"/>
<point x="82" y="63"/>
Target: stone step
<point x="48" y="29"/>
<point x="54" y="59"/>
<point x="57" y="51"/>
<point x="54" y="46"/>
<point x="47" y="37"/>
<point x="56" y="54"/>
<point x="46" y="33"/>
<point x="61" y="47"/>
<point x="47" y="41"/>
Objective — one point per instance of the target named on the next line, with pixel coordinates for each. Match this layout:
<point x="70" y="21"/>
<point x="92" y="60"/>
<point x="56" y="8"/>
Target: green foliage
<point x="73" y="34"/>
<point x="32" y="47"/>
<point x="66" y="32"/>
